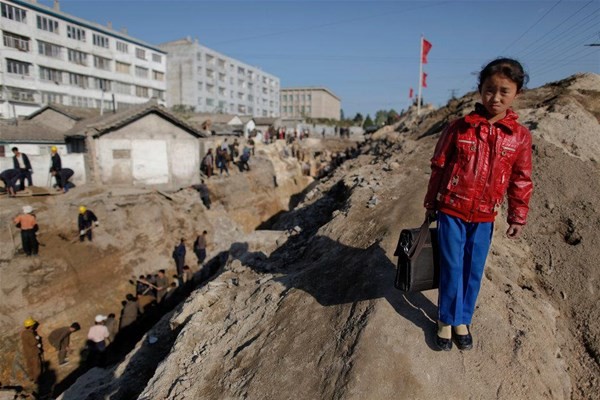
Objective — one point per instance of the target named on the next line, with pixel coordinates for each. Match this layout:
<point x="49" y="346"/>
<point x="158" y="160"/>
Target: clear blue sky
<point x="367" y="52"/>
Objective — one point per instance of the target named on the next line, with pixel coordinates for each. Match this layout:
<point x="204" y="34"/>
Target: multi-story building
<point x="48" y="56"/>
<point x="309" y="102"/>
<point x="212" y="82"/>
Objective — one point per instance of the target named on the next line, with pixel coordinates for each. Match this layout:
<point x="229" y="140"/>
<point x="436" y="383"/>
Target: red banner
<point x="426" y="47"/>
<point x="424" y="80"/>
<point x="410" y="93"/>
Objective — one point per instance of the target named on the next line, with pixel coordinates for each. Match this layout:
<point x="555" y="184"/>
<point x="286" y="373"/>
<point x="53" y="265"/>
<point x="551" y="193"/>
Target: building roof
<point x="75" y="113"/>
<point x="82" y="22"/>
<point x="214" y="118"/>
<point x="109" y="122"/>
<point x="29" y="132"/>
<point x="310" y="88"/>
<point x="265" y="120"/>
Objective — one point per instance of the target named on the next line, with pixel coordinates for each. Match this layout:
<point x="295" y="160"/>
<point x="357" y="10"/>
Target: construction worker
<point x="21" y="162"/>
<point x="97" y="337"/>
<point x="62" y="178"/>
<point x="162" y="284"/>
<point x="60" y="338"/>
<point x="204" y="194"/>
<point x="10" y="177"/>
<point x="200" y="248"/>
<point x="33" y="350"/>
<point x="28" y="225"/>
<point x="179" y="257"/>
<point x="55" y="161"/>
<point x="86" y="220"/>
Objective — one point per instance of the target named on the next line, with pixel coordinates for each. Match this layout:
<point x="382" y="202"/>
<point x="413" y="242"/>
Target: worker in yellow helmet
<point x="86" y="221"/>
<point x="33" y="351"/>
<point x="55" y="162"/>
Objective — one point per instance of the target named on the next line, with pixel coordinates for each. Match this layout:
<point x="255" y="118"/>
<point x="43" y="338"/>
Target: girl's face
<point x="497" y="95"/>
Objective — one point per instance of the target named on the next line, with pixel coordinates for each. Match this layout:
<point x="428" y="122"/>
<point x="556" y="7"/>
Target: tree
<point x="368" y="121"/>
<point x="381" y="117"/>
<point x="392" y="117"/>
<point x="358" y="119"/>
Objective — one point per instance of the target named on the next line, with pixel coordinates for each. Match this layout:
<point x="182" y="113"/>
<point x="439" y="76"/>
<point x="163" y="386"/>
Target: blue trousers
<point x="463" y="248"/>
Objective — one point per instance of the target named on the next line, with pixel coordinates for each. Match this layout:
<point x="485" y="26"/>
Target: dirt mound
<point x="315" y="314"/>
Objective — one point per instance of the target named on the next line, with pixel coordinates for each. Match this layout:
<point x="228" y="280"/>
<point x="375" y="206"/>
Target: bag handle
<point x="417" y="246"/>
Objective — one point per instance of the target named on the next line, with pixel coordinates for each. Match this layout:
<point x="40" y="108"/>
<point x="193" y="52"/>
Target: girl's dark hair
<point x="510" y="68"/>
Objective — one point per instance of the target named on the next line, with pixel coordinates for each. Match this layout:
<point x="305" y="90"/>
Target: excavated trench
<point x="93" y="278"/>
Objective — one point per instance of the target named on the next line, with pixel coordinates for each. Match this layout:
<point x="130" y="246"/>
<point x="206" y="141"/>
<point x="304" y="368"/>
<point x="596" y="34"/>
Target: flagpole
<point x="420" y="78"/>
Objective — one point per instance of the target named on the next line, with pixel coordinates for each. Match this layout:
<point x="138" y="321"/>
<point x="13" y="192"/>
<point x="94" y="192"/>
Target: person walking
<point x="204" y="193"/>
<point x="55" y="162"/>
<point x="478" y="159"/>
<point x="129" y="313"/>
<point x="208" y="163"/>
<point x="60" y="339"/>
<point x="86" y="221"/>
<point x="33" y="349"/>
<point x="97" y="337"/>
<point x="21" y="162"/>
<point x="29" y="227"/>
<point x="162" y="284"/>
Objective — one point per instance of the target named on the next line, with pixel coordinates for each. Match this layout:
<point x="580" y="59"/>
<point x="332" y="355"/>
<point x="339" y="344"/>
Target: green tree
<point x="358" y="119"/>
<point x="381" y="117"/>
<point x="368" y="121"/>
<point x="392" y="117"/>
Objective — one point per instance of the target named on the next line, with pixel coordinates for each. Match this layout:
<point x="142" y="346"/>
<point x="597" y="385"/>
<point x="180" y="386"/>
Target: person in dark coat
<point x="28" y="225"/>
<point x="179" y="257"/>
<point x="10" y="177"/>
<point x="62" y="178"/>
<point x="21" y="162"/>
<point x="33" y="351"/>
<point x="162" y="284"/>
<point x="204" y="194"/>
<point x="60" y="338"/>
<point x="86" y="221"/>
<point x="55" y="161"/>
<point x="112" y="326"/>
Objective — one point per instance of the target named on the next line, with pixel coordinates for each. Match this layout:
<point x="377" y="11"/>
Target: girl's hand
<point x="514" y="231"/>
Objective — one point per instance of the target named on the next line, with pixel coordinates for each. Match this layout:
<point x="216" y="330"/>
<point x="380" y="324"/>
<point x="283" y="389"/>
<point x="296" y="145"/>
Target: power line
<point x="532" y="26"/>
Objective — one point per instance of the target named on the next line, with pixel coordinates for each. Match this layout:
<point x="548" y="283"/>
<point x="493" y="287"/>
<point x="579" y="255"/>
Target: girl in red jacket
<point x="478" y="160"/>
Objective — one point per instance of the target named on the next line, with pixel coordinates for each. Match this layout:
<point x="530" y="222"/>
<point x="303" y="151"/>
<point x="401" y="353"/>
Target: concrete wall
<point x="41" y="165"/>
<point x="149" y="151"/>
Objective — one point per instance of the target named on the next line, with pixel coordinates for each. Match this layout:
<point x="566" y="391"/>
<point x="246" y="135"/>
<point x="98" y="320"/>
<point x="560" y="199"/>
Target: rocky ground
<point x="307" y="308"/>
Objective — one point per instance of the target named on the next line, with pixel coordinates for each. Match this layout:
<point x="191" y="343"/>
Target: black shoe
<point x="443" y="344"/>
<point x="464" y="342"/>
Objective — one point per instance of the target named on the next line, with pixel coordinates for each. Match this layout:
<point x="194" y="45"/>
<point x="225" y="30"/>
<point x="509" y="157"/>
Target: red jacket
<point x="475" y="164"/>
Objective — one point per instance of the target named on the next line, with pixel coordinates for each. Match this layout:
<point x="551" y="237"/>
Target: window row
<point x="296" y="97"/>
<point x="296" y="109"/>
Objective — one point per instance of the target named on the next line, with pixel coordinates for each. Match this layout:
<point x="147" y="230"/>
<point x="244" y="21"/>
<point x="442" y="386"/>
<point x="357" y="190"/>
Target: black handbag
<point x="418" y="259"/>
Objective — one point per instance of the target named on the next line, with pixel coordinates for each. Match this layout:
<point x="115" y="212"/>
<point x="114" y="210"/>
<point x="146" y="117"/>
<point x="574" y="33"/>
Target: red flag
<point x="410" y="93"/>
<point x="424" y="80"/>
<point x="426" y="47"/>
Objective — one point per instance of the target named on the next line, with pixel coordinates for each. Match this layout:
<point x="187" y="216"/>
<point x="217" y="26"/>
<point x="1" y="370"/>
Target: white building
<point x="212" y="82"/>
<point x="48" y="56"/>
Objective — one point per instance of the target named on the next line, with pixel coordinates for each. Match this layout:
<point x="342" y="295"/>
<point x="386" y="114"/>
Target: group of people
<point x="225" y="154"/>
<point x="14" y="179"/>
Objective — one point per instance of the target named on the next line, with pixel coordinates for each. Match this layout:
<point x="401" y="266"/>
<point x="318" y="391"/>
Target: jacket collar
<point x="478" y="117"/>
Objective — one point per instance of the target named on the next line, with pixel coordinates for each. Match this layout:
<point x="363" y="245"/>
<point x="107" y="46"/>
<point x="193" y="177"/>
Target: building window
<point x="210" y="88"/>
<point x="308" y="109"/>
<point x="102" y="84"/>
<point x="21" y="95"/>
<point x="102" y="63"/>
<point x="77" y="57"/>
<point x="156" y="58"/>
<point x="210" y="73"/>
<point x="210" y="59"/>
<point x="241" y="71"/>
<point x="49" y="97"/>
<point x="76" y="33"/>
<point x="221" y="63"/>
<point x="221" y="77"/>
<point x="199" y="56"/>
<point x="100" y="41"/>
<point x="78" y="80"/>
<point x="122" y="47"/>
<point x="308" y="97"/>
<point x="250" y="97"/>
<point x="141" y="91"/>
<point x="14" y="13"/>
<point x="199" y="70"/>
<point x="200" y="101"/>
<point x="210" y="102"/>
<point x="158" y="76"/>
<point x="47" y="24"/>
<point x="122" y="68"/>
<point x="16" y="41"/>
<point x="49" y="49"/>
<point x="141" y="72"/>
<point x="284" y="97"/>
<point x="240" y="96"/>
<point x="50" y="74"/>
<point x="200" y="87"/>
<point x="221" y="91"/>
<point x="140" y="53"/>
<point x="122" y="88"/>
<point x="159" y="94"/>
<point x="17" y="67"/>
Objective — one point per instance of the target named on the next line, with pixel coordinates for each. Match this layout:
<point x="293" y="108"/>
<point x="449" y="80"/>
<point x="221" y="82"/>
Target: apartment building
<point x="48" y="56"/>
<point x="309" y="102"/>
<point x="212" y="82"/>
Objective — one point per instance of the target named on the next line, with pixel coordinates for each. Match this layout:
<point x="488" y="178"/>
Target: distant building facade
<point x="48" y="56"/>
<point x="212" y="82"/>
<point x="309" y="102"/>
